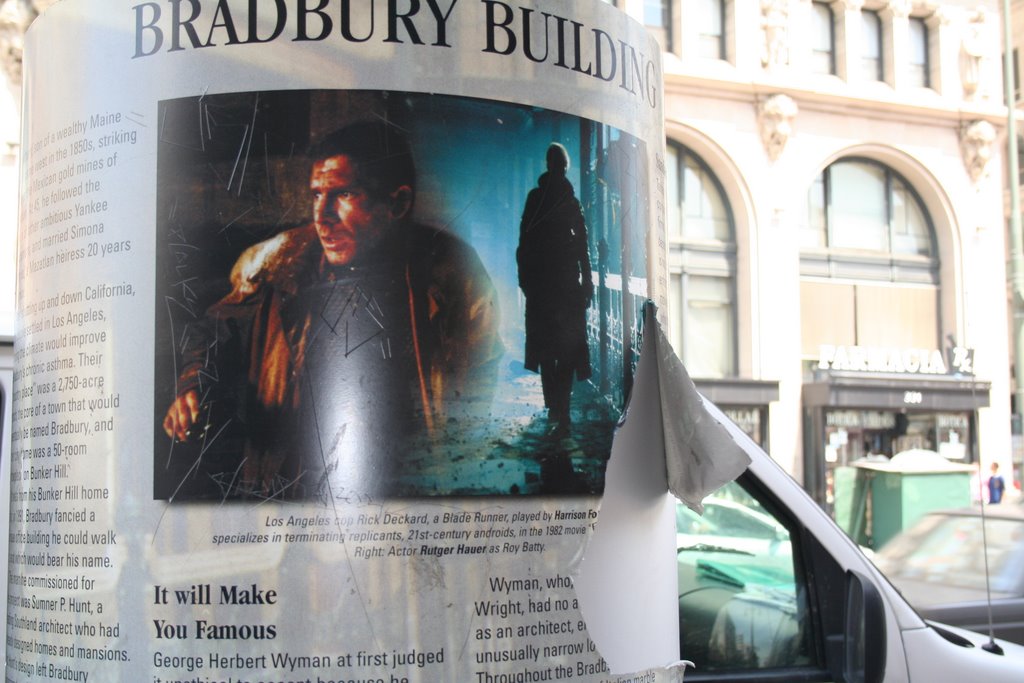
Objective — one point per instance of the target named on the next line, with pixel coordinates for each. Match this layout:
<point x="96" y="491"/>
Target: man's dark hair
<point x="381" y="152"/>
<point x="557" y="158"/>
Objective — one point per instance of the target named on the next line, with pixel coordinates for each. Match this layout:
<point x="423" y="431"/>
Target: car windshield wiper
<point x="707" y="548"/>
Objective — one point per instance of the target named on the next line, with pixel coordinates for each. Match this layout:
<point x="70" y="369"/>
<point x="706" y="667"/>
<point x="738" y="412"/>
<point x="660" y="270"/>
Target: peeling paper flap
<point x="700" y="454"/>
<point x="627" y="580"/>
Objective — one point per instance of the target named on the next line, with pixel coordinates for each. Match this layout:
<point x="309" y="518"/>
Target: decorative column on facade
<point x="775" y="116"/>
<point x="977" y="139"/>
<point x="896" y="42"/>
<point x="972" y="54"/>
<point x="848" y="39"/>
<point x="943" y="53"/>
<point x="775" y="24"/>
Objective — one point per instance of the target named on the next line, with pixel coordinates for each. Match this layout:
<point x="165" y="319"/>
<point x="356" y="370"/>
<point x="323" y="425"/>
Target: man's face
<point x="349" y="222"/>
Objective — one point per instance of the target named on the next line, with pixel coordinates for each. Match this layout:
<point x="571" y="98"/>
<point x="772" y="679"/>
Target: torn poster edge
<point x="626" y="578"/>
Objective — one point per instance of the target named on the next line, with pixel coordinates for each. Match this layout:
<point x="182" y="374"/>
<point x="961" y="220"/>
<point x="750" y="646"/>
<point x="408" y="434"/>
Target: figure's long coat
<point x="555" y="275"/>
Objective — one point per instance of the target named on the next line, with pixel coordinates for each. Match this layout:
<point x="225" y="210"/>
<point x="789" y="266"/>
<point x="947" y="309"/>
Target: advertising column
<point x="327" y="316"/>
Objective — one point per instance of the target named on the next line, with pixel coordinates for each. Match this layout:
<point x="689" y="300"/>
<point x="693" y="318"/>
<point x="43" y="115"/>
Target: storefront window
<point x="750" y="420"/>
<point x="854" y="434"/>
<point x="952" y="433"/>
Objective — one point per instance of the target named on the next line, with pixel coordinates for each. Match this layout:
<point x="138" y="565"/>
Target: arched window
<point x="861" y="205"/>
<point x="703" y="267"/>
<point x="869" y="262"/>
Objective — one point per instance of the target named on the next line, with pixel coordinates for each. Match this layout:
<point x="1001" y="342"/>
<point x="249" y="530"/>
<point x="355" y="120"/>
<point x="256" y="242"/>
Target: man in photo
<point x="555" y="277"/>
<point x="345" y="340"/>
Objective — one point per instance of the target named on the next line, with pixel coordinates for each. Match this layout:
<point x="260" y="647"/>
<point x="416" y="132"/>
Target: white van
<point x="771" y="589"/>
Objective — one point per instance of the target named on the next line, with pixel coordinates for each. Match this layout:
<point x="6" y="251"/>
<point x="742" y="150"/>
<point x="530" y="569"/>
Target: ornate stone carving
<point x="850" y="5"/>
<point x="976" y="142"/>
<point x="942" y="16"/>
<point x="776" y="114"/>
<point x="900" y="8"/>
<point x="972" y="53"/>
<point x="775" y="22"/>
<point x="15" y="17"/>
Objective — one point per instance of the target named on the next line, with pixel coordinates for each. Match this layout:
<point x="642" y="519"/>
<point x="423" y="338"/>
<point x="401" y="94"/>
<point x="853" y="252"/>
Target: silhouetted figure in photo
<point x="554" y="274"/>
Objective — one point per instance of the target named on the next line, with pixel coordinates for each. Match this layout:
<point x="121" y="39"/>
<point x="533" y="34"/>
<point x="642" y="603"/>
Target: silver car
<point x="938" y="564"/>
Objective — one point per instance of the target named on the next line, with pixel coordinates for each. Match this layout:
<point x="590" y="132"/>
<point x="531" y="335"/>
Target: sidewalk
<point x="515" y="452"/>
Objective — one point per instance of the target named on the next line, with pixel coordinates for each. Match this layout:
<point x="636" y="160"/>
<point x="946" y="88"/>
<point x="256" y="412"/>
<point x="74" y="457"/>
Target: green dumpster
<point x="892" y="495"/>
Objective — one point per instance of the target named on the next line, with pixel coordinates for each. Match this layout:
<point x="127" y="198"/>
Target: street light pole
<point x="1016" y="241"/>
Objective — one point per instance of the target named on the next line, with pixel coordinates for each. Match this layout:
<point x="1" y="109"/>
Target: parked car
<point x="731" y="524"/>
<point x="938" y="564"/>
<point x="792" y="598"/>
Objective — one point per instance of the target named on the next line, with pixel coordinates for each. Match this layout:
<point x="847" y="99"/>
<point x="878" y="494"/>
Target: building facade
<point x="835" y="220"/>
<point x="836" y="224"/>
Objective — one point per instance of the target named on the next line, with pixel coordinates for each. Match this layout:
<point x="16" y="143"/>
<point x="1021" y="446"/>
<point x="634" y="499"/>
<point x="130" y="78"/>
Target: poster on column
<point x="327" y="317"/>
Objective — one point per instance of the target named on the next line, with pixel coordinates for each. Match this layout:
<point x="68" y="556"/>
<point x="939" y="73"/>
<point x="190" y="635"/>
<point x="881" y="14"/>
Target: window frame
<point x="663" y="29"/>
<point x="665" y="7"/>
<point x="905" y="287"/>
<point x="895" y="266"/>
<point x="702" y="257"/>
<point x="822" y="618"/>
<point x="919" y="40"/>
<point x="872" y="68"/>
<point x="687" y="304"/>
<point x="816" y="54"/>
<point x="704" y="39"/>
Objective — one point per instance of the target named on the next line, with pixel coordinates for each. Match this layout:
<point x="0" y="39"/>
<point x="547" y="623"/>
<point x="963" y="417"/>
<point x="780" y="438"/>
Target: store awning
<point x="738" y="391"/>
<point x="896" y="392"/>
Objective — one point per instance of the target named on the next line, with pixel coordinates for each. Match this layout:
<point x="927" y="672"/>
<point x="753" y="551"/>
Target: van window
<point x="743" y="598"/>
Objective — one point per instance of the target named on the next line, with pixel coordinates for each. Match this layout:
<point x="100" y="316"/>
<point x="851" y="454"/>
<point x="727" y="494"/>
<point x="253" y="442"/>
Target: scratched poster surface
<point x="418" y="367"/>
<point x="326" y="321"/>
